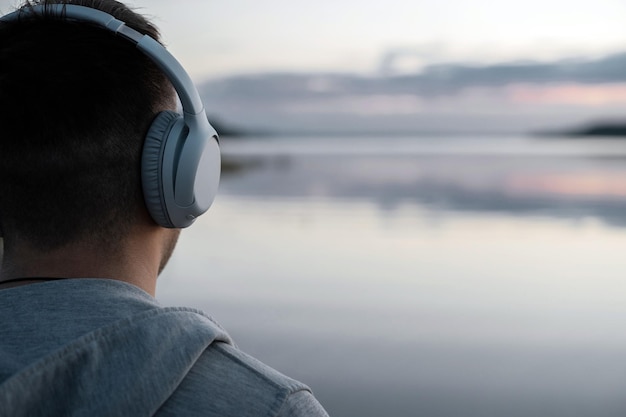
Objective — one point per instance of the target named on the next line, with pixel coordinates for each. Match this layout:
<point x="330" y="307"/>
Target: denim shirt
<point x="87" y="347"/>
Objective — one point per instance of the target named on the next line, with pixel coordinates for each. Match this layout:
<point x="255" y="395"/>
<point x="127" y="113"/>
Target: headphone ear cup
<point x="152" y="166"/>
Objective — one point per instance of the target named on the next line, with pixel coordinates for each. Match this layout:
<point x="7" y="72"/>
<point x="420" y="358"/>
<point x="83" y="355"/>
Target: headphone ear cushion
<point x="152" y="166"/>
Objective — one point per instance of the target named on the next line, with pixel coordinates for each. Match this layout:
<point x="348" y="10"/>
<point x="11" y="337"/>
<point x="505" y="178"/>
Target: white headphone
<point x="180" y="164"/>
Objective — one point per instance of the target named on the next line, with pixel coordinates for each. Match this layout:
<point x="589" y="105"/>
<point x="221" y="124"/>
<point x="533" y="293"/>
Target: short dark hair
<point x="75" y="104"/>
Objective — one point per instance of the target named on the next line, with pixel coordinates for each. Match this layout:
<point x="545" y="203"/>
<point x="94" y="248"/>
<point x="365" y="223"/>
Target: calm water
<point x="422" y="276"/>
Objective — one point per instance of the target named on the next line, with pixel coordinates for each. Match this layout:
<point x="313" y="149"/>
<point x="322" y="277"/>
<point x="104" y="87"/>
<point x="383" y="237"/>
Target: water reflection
<point x="563" y="186"/>
<point x="437" y="283"/>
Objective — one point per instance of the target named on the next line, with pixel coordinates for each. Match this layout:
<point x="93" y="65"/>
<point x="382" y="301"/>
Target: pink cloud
<point x="572" y="94"/>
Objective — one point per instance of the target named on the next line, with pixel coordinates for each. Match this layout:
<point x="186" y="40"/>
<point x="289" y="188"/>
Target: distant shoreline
<point x="616" y="130"/>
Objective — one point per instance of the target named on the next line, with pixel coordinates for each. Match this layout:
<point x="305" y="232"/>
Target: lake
<point x="421" y="276"/>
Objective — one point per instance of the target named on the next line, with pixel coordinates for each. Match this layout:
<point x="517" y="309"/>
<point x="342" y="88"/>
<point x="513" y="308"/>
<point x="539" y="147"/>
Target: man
<point x="80" y="331"/>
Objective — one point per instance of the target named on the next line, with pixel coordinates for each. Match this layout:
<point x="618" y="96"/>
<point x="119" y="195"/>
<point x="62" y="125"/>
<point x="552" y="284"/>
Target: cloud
<point x="508" y="97"/>
<point x="451" y="77"/>
<point x="432" y="80"/>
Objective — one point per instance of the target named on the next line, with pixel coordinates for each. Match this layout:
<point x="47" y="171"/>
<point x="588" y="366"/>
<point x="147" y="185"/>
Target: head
<point x="75" y="105"/>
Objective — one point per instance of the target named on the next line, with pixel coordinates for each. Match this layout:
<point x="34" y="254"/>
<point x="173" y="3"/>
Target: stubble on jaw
<point x="168" y="247"/>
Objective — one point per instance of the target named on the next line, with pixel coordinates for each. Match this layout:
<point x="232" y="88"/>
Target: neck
<point x="136" y="260"/>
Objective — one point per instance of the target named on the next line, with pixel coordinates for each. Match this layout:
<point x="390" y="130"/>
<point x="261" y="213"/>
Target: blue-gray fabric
<point x="95" y="347"/>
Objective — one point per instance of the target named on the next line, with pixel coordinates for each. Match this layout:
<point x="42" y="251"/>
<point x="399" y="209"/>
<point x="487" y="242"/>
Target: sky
<point x="222" y="37"/>
<point x="229" y="39"/>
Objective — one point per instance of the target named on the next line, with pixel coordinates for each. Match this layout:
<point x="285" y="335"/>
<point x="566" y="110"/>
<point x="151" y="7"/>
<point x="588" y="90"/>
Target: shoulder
<point x="227" y="382"/>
